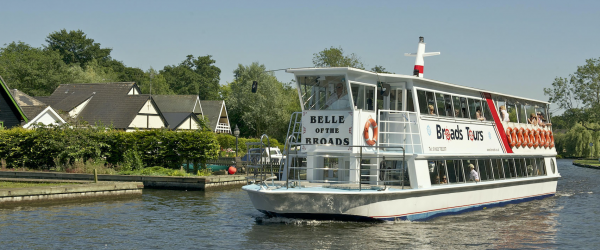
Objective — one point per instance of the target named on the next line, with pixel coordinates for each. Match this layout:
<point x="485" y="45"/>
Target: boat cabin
<point x="355" y="124"/>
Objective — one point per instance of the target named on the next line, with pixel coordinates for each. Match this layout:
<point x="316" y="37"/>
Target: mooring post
<point x="95" y="175"/>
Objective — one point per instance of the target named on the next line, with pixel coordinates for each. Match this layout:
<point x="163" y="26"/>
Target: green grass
<point x="593" y="162"/>
<point x="10" y="184"/>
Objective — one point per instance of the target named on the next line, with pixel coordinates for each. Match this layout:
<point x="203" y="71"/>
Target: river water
<point x="227" y="219"/>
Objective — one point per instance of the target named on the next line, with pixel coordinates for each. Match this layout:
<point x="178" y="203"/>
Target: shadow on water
<point x="227" y="219"/>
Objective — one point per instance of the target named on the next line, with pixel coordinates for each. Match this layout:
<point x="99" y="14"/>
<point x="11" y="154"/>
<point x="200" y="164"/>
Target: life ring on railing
<point x="547" y="138"/>
<point x="542" y="138"/>
<point x="531" y="138"/>
<point x="519" y="136"/>
<point x="536" y="136"/>
<point x="524" y="137"/>
<point x="551" y="136"/>
<point x="370" y="123"/>
<point x="511" y="142"/>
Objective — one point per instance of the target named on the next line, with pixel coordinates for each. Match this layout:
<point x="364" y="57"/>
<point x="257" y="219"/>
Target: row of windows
<point x="459" y="171"/>
<point x="433" y="103"/>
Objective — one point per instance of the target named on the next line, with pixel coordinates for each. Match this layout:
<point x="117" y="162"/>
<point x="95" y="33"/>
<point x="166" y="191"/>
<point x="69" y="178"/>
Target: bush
<point x="61" y="146"/>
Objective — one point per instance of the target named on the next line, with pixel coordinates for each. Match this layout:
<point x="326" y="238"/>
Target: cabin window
<point x="455" y="172"/>
<point x="437" y="172"/>
<point x="541" y="166"/>
<point x="485" y="170"/>
<point x="458" y="111"/>
<point x="467" y="168"/>
<point x="521" y="111"/>
<point x="364" y="96"/>
<point x="370" y="97"/>
<point x="530" y="167"/>
<point x="410" y="105"/>
<point x="441" y="107"/>
<point x="324" y="92"/>
<point x="486" y="111"/>
<point x="475" y="108"/>
<point x="426" y="102"/>
<point x="498" y="169"/>
<point x="396" y="99"/>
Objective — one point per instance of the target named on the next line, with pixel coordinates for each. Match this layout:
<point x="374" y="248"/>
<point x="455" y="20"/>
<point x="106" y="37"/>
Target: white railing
<point x="400" y="129"/>
<point x="223" y="128"/>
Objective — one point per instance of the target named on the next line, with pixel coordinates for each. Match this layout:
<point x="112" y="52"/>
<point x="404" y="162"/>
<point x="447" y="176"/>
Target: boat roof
<point x="344" y="70"/>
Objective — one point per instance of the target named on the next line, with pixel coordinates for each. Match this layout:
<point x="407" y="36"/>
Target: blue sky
<point x="513" y="47"/>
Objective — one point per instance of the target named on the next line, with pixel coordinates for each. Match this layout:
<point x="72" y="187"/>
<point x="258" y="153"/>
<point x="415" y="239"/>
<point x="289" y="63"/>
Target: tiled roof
<point x="176" y="103"/>
<point x="175" y="119"/>
<point x="68" y="96"/>
<point x="30" y="106"/>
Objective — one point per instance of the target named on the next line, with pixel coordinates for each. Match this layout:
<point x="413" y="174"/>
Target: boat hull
<point x="390" y="205"/>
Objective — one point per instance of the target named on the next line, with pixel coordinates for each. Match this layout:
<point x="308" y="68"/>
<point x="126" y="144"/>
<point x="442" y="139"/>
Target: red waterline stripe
<point x="499" y="127"/>
<point x="459" y="206"/>
<point x="420" y="68"/>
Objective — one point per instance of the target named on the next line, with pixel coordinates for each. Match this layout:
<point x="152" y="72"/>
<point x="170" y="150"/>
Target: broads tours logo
<point x="457" y="134"/>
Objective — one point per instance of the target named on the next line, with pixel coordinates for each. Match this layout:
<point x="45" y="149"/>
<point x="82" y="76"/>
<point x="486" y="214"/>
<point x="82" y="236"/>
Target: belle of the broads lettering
<point x="374" y="146"/>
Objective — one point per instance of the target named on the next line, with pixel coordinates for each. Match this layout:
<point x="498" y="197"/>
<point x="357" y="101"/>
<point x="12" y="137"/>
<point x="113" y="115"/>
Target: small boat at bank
<point x="374" y="146"/>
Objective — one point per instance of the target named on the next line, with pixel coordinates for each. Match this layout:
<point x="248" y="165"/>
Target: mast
<point x="419" y="62"/>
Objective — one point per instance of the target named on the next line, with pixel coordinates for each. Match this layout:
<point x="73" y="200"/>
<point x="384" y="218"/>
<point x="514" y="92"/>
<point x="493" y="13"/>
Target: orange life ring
<point x="371" y="123"/>
<point x="515" y="137"/>
<point x="524" y="138"/>
<point x="531" y="137"/>
<point x="536" y="136"/>
<point x="542" y="138"/>
<point x="511" y="142"/>
<point x="551" y="139"/>
<point x="526" y="141"/>
<point x="547" y="133"/>
<point x="519" y="137"/>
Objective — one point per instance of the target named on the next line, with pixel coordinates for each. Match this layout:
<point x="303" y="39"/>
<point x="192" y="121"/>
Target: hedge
<point x="43" y="148"/>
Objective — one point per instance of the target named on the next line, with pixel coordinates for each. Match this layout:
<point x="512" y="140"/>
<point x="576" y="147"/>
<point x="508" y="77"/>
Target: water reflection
<point x="227" y="219"/>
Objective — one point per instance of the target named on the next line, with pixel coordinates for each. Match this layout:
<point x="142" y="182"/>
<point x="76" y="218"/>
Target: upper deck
<point x="424" y="116"/>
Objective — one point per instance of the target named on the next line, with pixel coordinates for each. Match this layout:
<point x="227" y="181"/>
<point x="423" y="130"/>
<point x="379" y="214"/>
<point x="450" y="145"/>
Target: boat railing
<point x="371" y="169"/>
<point x="260" y="167"/>
<point x="400" y="129"/>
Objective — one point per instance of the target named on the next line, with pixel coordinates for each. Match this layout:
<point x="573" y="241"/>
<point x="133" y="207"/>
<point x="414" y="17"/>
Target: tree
<point x="75" y="48"/>
<point x="32" y="70"/>
<point x="380" y="69"/>
<point x="579" y="95"/>
<point x="265" y="112"/>
<point x="194" y="76"/>
<point x="153" y="79"/>
<point x="334" y="57"/>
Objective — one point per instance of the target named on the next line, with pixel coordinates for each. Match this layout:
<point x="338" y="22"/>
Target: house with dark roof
<point x="181" y="111"/>
<point x="216" y="112"/>
<point x="11" y="114"/>
<point x="119" y="105"/>
<point x="37" y="111"/>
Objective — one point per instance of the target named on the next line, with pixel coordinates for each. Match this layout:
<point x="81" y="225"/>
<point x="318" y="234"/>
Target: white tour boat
<point x="373" y="146"/>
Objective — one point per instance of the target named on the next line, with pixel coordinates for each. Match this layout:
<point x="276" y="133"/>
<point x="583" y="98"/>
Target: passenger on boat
<point x="339" y="99"/>
<point x="533" y="119"/>
<point x="504" y="114"/>
<point x="444" y="180"/>
<point x="541" y="121"/>
<point x="431" y="109"/>
<point x="479" y="115"/>
<point x="474" y="175"/>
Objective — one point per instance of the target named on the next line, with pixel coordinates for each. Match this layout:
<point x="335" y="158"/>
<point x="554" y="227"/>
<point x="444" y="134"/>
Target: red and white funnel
<point x="419" y="62"/>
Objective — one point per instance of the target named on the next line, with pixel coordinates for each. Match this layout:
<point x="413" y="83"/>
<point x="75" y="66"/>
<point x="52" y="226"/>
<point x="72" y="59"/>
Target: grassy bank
<point x="592" y="162"/>
<point x="10" y="184"/>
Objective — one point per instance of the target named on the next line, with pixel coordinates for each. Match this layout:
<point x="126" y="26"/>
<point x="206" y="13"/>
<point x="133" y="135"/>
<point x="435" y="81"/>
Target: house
<point x="119" y="105"/>
<point x="11" y="114"/>
<point x="181" y="111"/>
<point x="216" y="112"/>
<point x="37" y="111"/>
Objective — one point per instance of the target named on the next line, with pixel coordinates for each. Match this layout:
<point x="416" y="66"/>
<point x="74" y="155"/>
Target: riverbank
<point x="595" y="164"/>
<point x="160" y="182"/>
<point x="49" y="189"/>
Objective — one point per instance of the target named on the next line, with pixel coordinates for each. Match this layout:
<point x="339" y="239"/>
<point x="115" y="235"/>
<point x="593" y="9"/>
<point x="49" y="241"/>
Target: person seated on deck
<point x="533" y="119"/>
<point x="457" y="113"/>
<point x="431" y="109"/>
<point x="504" y="114"/>
<point x="474" y="176"/>
<point x="541" y="121"/>
<point x="444" y="180"/>
<point x="339" y="99"/>
<point x="479" y="116"/>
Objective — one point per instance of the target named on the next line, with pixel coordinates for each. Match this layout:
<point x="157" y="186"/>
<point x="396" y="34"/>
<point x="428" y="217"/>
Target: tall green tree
<point x="265" y="112"/>
<point x="155" y="83"/>
<point x="579" y="95"/>
<point x="380" y="69"/>
<point x="194" y="76"/>
<point x="75" y="47"/>
<point x="334" y="57"/>
<point x="34" y="71"/>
